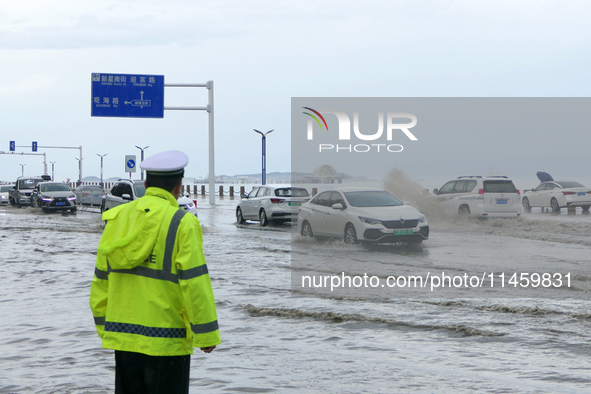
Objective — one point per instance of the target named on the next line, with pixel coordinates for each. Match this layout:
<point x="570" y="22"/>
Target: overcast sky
<point x="260" y="54"/>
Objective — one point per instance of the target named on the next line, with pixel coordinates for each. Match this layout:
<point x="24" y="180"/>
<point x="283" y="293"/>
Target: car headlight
<point x="46" y="198"/>
<point x="369" y="220"/>
<point x="422" y="219"/>
<point x="71" y="198"/>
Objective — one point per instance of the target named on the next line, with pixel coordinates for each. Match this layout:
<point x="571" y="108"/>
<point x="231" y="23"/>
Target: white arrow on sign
<point x="141" y="102"/>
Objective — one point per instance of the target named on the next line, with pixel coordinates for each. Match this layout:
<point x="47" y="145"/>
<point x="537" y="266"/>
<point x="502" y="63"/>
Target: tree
<point x="325" y="171"/>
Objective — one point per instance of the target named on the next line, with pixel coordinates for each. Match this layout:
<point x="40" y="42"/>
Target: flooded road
<point x="314" y="340"/>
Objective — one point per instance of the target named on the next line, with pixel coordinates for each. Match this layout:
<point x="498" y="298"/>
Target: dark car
<point x="53" y="196"/>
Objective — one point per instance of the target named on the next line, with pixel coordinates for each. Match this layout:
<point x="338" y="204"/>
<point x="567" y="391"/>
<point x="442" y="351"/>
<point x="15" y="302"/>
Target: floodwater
<point x="279" y="341"/>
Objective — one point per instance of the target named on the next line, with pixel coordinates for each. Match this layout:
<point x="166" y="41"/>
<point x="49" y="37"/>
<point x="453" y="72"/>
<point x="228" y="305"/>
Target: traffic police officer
<point x="151" y="295"/>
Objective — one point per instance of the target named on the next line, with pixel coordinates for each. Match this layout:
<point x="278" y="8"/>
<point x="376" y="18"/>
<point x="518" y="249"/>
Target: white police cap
<point x="172" y="162"/>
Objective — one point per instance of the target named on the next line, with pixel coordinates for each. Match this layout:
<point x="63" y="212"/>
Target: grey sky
<point x="260" y="54"/>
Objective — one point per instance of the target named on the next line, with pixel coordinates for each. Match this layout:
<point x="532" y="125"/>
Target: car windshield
<point x="291" y="192"/>
<point x="499" y="187"/>
<point x="140" y="189"/>
<point x="372" y="199"/>
<point x="28" y="183"/>
<point x="4" y="189"/>
<point x="570" y="184"/>
<point x="55" y="187"/>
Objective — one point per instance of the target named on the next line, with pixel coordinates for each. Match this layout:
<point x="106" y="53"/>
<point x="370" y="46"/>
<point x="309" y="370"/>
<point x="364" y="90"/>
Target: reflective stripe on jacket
<point x="151" y="291"/>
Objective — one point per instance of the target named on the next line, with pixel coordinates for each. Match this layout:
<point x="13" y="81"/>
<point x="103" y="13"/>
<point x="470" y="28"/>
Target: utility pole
<point x="142" y="156"/>
<point x="101" y="156"/>
<point x="264" y="169"/>
<point x="52" y="170"/>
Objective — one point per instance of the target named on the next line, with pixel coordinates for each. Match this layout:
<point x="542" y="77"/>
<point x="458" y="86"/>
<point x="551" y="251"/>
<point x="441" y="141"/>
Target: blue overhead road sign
<point x="34" y="146"/>
<point x="12" y="146"/>
<point x="127" y="95"/>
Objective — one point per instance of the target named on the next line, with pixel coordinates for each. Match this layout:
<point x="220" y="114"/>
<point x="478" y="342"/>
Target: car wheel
<point x="307" y="230"/>
<point x="263" y="218"/>
<point x="73" y="210"/>
<point x="464" y="210"/>
<point x="239" y="217"/>
<point x="350" y="234"/>
<point x="45" y="210"/>
<point x="554" y="205"/>
<point x="525" y="204"/>
<point x="586" y="207"/>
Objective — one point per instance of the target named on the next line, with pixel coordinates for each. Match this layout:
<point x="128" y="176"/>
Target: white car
<point x="362" y="214"/>
<point x="4" y="194"/>
<point x="494" y="196"/>
<point x="270" y="203"/>
<point x="187" y="204"/>
<point x="556" y="195"/>
<point x="125" y="190"/>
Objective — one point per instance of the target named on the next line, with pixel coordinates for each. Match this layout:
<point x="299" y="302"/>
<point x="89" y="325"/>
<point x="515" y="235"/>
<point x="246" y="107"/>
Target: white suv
<point x="126" y="190"/>
<point x="271" y="203"/>
<point x="493" y="196"/>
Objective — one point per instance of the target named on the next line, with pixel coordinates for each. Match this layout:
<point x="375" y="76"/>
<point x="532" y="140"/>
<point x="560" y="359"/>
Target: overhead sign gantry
<point x="142" y="96"/>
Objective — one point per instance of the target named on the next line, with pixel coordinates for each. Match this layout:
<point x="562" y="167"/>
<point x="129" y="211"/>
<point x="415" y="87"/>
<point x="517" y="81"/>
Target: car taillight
<point x="568" y="193"/>
<point x="195" y="202"/>
<point x="518" y="192"/>
<point x="277" y="200"/>
<point x="480" y="191"/>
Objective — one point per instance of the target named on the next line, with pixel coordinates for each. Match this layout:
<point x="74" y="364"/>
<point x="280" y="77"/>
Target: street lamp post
<point x="23" y="169"/>
<point x="264" y="169"/>
<point x="79" y="171"/>
<point x="101" y="156"/>
<point x="52" y="170"/>
<point x="142" y="156"/>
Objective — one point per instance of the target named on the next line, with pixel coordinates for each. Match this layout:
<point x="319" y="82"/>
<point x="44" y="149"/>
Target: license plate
<point x="403" y="232"/>
<point x="60" y="203"/>
<point x="295" y="204"/>
<point x="581" y="194"/>
<point x="502" y="202"/>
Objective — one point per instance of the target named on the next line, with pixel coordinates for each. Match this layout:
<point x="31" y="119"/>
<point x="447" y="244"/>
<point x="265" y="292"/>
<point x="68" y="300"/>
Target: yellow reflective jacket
<point x="151" y="291"/>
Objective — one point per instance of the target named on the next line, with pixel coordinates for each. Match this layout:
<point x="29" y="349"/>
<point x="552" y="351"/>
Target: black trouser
<point x="137" y="373"/>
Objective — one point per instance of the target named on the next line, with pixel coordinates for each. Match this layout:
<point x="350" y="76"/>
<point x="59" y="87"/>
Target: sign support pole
<point x="209" y="109"/>
<point x="29" y="154"/>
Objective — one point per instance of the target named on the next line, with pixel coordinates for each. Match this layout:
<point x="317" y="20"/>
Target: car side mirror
<point x="126" y="197"/>
<point x="338" y="206"/>
<point x="435" y="191"/>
